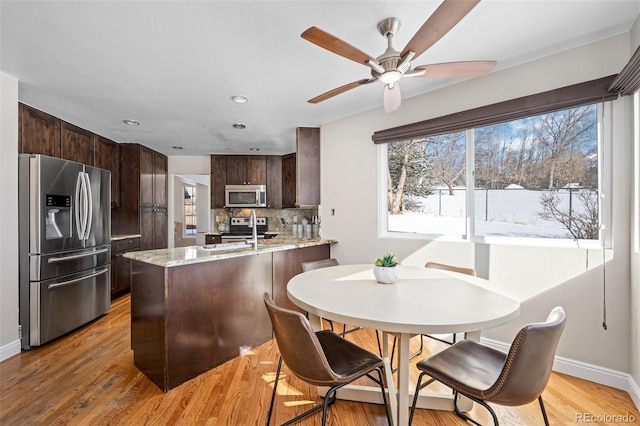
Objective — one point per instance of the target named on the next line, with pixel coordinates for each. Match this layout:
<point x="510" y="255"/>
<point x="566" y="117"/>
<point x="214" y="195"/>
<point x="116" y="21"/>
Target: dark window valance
<point x="628" y="81"/>
<point x="554" y="100"/>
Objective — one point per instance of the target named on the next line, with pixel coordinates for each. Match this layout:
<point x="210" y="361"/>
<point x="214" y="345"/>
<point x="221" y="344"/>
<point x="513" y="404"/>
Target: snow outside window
<point x="538" y="177"/>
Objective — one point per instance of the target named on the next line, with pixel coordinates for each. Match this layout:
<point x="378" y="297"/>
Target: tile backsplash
<point x="278" y="220"/>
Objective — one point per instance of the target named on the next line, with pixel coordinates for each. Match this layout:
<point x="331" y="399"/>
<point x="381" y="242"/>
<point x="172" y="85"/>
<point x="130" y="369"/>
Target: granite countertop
<point x="196" y="254"/>
<point x="124" y="237"/>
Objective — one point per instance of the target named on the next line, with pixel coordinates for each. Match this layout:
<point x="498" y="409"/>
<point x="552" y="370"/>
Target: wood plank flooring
<point x="88" y="378"/>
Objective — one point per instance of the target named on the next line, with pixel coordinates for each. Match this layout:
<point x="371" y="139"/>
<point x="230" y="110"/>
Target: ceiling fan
<point x="392" y="65"/>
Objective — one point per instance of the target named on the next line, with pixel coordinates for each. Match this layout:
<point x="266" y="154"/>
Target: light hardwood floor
<point x="88" y="378"/>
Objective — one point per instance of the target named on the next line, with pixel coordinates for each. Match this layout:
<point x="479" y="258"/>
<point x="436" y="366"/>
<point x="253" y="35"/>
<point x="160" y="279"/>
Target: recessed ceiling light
<point x="239" y="99"/>
<point x="131" y="122"/>
<point x="176" y="147"/>
<point x="239" y="126"/>
<point x="254" y="149"/>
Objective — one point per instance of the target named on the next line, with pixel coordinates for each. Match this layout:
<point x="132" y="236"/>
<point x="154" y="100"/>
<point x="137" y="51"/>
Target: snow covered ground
<point x="512" y="213"/>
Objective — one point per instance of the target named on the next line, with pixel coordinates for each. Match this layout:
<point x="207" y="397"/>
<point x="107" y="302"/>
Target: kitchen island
<point x="194" y="308"/>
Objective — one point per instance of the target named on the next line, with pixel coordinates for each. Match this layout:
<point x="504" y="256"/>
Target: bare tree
<point x="447" y="152"/>
<point x="562" y="133"/>
<point x="581" y="223"/>
<point x="408" y="173"/>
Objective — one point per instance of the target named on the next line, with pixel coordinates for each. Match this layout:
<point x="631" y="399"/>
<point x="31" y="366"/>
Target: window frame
<point x="604" y="136"/>
<point x="184" y="211"/>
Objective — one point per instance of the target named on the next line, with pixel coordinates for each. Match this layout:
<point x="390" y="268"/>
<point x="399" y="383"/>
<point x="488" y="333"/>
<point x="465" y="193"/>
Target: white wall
<point x="526" y="272"/>
<point x="9" y="343"/>
<point x="635" y="244"/>
<point x="185" y="165"/>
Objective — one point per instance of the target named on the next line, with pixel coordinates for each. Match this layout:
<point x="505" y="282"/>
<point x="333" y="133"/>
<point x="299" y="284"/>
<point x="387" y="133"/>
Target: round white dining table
<point x="422" y="301"/>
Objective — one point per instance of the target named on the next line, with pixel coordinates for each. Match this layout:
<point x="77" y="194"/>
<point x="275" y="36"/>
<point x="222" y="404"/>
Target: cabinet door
<point x="106" y="157"/>
<point x="76" y="144"/>
<point x="218" y="180"/>
<point x="160" y="180"/>
<point x="147" y="237"/>
<point x="274" y="181"/>
<point x="160" y="231"/>
<point x="308" y="166"/>
<point x="39" y="132"/>
<point x="289" y="180"/>
<point x="256" y="170"/>
<point x="146" y="176"/>
<point x="236" y="170"/>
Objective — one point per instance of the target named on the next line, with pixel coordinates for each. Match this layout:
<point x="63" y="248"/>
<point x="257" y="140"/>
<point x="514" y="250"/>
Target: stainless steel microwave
<point x="245" y="196"/>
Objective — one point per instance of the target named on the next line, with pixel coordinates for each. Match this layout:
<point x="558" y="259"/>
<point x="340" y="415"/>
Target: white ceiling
<point x="173" y="65"/>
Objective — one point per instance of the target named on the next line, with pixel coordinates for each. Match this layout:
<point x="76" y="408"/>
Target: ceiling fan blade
<point x="392" y="98"/>
<point x="457" y="69"/>
<point x="446" y="16"/>
<point x="327" y="41"/>
<point x="341" y="89"/>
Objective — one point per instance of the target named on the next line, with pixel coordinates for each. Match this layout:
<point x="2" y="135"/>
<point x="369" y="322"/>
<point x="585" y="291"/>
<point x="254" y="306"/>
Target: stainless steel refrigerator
<point x="64" y="246"/>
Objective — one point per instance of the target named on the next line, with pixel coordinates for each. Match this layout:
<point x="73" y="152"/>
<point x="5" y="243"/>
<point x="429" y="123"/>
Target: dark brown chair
<point x="484" y="374"/>
<point x="325" y="263"/>
<point x="320" y="358"/>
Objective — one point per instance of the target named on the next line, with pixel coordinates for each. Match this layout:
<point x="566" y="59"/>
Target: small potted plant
<point x="386" y="269"/>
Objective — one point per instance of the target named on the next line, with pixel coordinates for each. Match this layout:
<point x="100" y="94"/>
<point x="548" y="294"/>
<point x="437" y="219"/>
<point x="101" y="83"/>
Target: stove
<point x="240" y="229"/>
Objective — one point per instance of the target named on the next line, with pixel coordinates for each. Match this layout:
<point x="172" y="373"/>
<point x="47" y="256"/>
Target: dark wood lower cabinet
<point x="188" y="319"/>
<point x="121" y="266"/>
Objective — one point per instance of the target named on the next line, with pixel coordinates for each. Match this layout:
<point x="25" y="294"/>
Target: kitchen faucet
<point x="254" y="229"/>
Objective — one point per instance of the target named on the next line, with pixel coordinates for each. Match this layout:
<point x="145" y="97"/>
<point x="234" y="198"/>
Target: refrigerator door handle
<point x="79" y="185"/>
<point x="76" y="256"/>
<point x="89" y="211"/>
<point x="95" y="274"/>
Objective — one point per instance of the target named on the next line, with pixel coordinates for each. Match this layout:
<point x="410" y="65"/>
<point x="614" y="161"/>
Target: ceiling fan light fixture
<point x="131" y="122"/>
<point x="390" y="77"/>
<point x="239" y="99"/>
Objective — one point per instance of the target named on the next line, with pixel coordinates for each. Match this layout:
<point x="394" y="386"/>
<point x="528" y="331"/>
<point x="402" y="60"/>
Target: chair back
<point x="299" y="346"/>
<point x="316" y="264"/>
<point x="452" y="268"/>
<point x="529" y="362"/>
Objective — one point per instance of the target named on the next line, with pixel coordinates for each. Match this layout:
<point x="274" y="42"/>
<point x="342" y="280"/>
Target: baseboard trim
<point x="9" y="350"/>
<point x="582" y="370"/>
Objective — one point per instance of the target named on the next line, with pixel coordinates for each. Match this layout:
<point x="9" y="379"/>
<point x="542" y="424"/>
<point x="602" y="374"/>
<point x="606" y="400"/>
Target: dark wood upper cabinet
<point x="301" y="170"/>
<point x="246" y="170"/>
<point x="143" y="197"/>
<point x="274" y="181"/>
<point x="289" y="180"/>
<point x="307" y="166"/>
<point x="76" y="144"/>
<point x="105" y="156"/>
<point x="218" y="180"/>
<point x="38" y="132"/>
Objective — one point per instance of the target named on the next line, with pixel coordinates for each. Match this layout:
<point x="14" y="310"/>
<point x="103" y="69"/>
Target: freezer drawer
<point x="48" y="266"/>
<point x="60" y="305"/>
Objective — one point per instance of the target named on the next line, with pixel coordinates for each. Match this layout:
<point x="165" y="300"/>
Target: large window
<point x="534" y="177"/>
<point x="190" y="210"/>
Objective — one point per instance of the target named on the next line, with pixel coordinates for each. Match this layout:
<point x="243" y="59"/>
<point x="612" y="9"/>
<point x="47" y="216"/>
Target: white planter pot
<point x="386" y="275"/>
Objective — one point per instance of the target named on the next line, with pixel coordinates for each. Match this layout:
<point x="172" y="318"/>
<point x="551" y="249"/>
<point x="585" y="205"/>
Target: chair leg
<point x="273" y="395"/>
<point x="419" y="387"/>
<point x="469" y="419"/>
<point x="384" y="395"/>
<point x="544" y="412"/>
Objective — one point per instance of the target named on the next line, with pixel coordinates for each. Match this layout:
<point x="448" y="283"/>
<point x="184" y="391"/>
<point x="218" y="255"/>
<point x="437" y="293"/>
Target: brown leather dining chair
<point x="325" y="263"/>
<point x="484" y="374"/>
<point x="320" y="358"/>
